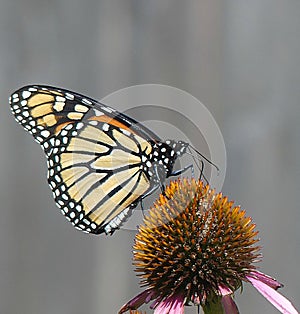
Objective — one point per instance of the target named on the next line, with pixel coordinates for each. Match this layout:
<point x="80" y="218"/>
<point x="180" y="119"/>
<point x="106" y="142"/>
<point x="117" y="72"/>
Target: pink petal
<point x="271" y="282"/>
<point x="229" y="305"/>
<point x="278" y="300"/>
<point x="224" y="290"/>
<point x="137" y="301"/>
<point x="171" y="305"/>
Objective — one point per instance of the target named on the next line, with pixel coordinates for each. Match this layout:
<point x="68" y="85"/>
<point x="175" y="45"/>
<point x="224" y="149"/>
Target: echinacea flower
<point x="196" y="247"/>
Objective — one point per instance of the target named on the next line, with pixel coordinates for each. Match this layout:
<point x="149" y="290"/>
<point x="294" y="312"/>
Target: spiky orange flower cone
<point x="195" y="246"/>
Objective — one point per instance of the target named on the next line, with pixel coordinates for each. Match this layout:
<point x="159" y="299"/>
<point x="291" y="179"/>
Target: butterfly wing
<point x="95" y="155"/>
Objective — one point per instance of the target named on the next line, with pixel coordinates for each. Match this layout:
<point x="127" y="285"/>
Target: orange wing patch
<point x="111" y="121"/>
<point x="60" y="127"/>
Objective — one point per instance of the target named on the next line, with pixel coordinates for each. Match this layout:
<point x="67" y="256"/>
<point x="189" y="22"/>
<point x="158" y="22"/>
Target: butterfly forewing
<point x="95" y="155"/>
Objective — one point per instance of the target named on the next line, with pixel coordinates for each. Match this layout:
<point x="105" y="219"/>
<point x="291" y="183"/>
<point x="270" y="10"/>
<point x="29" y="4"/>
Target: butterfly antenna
<point x="197" y="162"/>
<point x="205" y="158"/>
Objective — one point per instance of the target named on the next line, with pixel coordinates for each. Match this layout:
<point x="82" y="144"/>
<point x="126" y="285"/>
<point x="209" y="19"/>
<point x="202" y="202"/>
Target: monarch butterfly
<point x="101" y="163"/>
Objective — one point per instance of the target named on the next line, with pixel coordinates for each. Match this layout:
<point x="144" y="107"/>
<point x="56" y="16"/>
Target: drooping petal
<point x="271" y="282"/>
<point x="171" y="305"/>
<point x="229" y="305"/>
<point x="278" y="300"/>
<point x="137" y="301"/>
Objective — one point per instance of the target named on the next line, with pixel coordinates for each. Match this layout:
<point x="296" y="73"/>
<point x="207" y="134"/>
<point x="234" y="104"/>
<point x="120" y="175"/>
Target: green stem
<point x="214" y="306"/>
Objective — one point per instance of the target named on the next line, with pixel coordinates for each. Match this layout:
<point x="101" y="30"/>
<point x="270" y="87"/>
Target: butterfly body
<point x="101" y="163"/>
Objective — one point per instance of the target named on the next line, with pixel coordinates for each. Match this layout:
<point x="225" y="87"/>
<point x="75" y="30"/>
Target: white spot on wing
<point x="63" y="133"/>
<point x="59" y="98"/>
<point x="45" y="133"/>
<point x="93" y="122"/>
<point x="69" y="96"/>
<point x="69" y="127"/>
<point x="79" y="125"/>
<point x="98" y="113"/>
<point x="108" y="109"/>
<point x="46" y="145"/>
<point x="126" y="132"/>
<point x="85" y="101"/>
<point x="26" y="94"/>
<point x="105" y="127"/>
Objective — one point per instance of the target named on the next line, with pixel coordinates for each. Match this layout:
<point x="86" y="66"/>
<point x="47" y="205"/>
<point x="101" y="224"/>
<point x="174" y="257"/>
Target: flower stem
<point x="214" y="306"/>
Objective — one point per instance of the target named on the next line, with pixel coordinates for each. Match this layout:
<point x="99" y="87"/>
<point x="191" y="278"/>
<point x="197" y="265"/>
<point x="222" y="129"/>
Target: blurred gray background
<point x="240" y="58"/>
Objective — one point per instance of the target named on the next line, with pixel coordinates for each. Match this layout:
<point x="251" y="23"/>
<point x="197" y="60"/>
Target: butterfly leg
<point x="140" y="201"/>
<point x="159" y="178"/>
<point x="183" y="170"/>
<point x="191" y="167"/>
<point x="149" y="192"/>
<point x="142" y="207"/>
<point x="202" y="176"/>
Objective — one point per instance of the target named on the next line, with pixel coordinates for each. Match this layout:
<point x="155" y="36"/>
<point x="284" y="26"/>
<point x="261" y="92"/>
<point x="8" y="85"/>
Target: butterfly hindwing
<point x="94" y="181"/>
